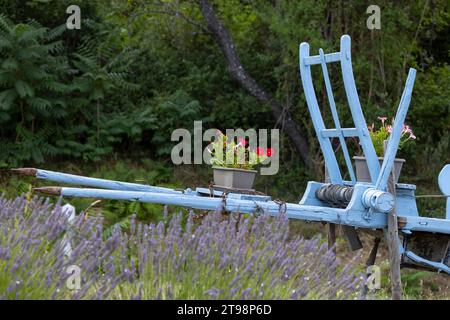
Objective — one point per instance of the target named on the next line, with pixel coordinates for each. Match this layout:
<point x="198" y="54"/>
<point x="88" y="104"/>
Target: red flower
<point x="269" y="152"/>
<point x="260" y="151"/>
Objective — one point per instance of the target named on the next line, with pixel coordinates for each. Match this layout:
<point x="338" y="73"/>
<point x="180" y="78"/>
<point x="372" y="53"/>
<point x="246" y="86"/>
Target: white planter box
<point x="362" y="171"/>
<point x="234" y="178"/>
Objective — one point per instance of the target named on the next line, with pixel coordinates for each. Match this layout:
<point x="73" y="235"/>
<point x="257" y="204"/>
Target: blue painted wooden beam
<point x="329" y="57"/>
<point x="426" y="224"/>
<point x="316" y="117"/>
<point x="92" y="182"/>
<point x="337" y="122"/>
<point x="352" y="215"/>
<point x="355" y="108"/>
<point x="334" y="133"/>
<point x="310" y="213"/>
<point x="394" y="139"/>
<point x="436" y="265"/>
<point x="444" y="185"/>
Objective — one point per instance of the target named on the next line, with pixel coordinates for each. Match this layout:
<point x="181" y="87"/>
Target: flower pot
<point x="362" y="171"/>
<point x="234" y="178"/>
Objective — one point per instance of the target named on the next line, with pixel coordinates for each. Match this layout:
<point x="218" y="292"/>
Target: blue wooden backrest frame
<point x="324" y="134"/>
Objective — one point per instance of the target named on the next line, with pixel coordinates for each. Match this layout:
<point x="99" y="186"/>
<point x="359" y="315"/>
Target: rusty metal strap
<point x="282" y="204"/>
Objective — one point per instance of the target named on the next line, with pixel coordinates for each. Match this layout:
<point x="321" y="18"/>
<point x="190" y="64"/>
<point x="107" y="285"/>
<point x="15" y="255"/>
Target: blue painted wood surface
<point x="394" y="138"/>
<point x="444" y="185"/>
<point x="99" y="183"/>
<point x="355" y="108"/>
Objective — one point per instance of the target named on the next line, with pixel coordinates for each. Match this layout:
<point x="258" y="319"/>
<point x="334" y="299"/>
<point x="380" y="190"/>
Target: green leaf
<point x="10" y="64"/>
<point x="7" y="98"/>
<point x="39" y="103"/>
<point x="24" y="89"/>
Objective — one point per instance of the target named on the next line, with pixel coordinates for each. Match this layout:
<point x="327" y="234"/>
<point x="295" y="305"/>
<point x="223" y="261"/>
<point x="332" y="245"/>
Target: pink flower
<point x="382" y="119"/>
<point x="389" y="129"/>
<point x="242" y="142"/>
<point x="407" y="129"/>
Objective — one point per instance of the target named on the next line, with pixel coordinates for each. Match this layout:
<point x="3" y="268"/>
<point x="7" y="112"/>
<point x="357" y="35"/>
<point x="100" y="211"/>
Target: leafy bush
<point x="32" y="89"/>
<point x="46" y="94"/>
<point x="176" y="110"/>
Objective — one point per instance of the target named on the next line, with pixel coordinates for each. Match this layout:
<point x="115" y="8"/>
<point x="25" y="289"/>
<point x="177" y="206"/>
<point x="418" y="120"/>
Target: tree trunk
<point x="238" y="72"/>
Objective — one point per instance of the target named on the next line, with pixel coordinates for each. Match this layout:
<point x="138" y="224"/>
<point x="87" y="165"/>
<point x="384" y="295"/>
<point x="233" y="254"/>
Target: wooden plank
<point x="334" y="133"/>
<point x="331" y="231"/>
<point x="316" y="116"/>
<point x="355" y="107"/>
<point x="329" y="57"/>
<point x="352" y="237"/>
<point x="336" y="119"/>
<point x="430" y="246"/>
<point x="393" y="241"/>
<point x="371" y="261"/>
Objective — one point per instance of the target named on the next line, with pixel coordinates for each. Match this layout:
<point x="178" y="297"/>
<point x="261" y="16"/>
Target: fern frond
<point x="10" y="64"/>
<point x="56" y="32"/>
<point x="7" y="98"/>
<point x="5" y="43"/>
<point x="54" y="47"/>
<point x="39" y="103"/>
<point x="31" y="34"/>
<point x="24" y="89"/>
<point x="5" y="23"/>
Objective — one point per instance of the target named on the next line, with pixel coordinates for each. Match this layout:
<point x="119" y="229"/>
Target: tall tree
<point x="237" y="70"/>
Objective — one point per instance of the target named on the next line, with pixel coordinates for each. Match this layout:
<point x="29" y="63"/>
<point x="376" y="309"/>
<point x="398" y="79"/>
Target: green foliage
<point x="413" y="282"/>
<point x="46" y="96"/>
<point x="226" y="152"/>
<point x="32" y="90"/>
<point x="50" y="13"/>
<point x="162" y="109"/>
<point x="135" y="72"/>
<point x="382" y="134"/>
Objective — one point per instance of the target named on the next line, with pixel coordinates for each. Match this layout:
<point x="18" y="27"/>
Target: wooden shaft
<point x="373" y="253"/>
<point x="25" y="171"/>
<point x="393" y="242"/>
<point x="371" y="261"/>
<point x="54" y="191"/>
<point x="331" y="231"/>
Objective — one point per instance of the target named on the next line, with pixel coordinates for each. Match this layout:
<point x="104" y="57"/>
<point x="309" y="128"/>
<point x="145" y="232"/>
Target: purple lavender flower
<point x="223" y="257"/>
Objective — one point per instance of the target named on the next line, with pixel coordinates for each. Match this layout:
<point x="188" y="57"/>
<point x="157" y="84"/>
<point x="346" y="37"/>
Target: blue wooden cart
<point x="421" y="242"/>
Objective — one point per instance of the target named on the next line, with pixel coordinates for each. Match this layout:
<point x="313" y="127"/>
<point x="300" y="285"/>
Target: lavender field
<point x="216" y="258"/>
